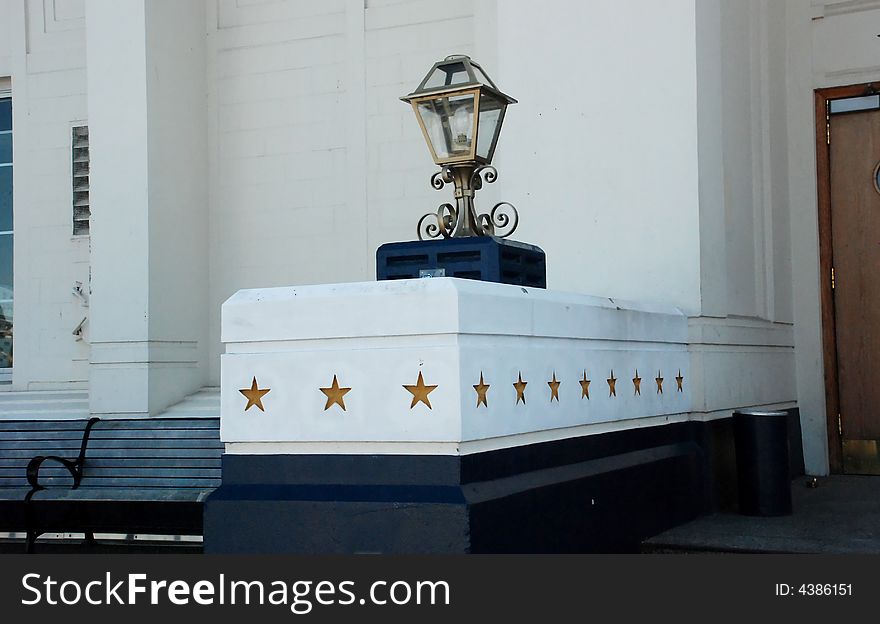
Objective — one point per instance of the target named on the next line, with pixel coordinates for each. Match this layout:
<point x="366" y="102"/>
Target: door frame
<point x="829" y="336"/>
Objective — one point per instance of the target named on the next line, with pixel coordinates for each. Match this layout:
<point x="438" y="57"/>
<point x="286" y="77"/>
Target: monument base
<point x="451" y="416"/>
<point x="599" y="493"/>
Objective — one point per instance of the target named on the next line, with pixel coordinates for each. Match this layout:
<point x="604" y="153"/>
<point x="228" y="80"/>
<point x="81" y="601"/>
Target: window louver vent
<point x="80" y="155"/>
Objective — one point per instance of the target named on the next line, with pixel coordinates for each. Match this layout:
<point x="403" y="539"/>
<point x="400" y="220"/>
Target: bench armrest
<point x="33" y="470"/>
<point x="73" y="466"/>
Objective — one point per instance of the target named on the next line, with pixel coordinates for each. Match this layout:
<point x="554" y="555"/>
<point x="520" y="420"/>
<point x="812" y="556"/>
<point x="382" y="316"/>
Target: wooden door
<point x="854" y="157"/>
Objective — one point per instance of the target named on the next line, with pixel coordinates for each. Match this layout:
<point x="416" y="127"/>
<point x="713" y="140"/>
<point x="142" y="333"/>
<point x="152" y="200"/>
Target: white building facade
<point x="660" y="152"/>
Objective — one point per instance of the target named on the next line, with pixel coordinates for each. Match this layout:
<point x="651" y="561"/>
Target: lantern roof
<point x="454" y="73"/>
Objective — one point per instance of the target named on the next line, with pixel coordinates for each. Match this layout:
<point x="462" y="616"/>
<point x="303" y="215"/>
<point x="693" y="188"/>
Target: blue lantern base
<point x="484" y="258"/>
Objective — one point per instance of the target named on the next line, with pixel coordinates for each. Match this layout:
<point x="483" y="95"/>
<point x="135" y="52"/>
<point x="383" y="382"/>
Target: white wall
<point x="42" y="48"/>
<point x="277" y="148"/>
<point x="600" y="154"/>
<point x="314" y="160"/>
<point x="745" y="248"/>
<point x="742" y="340"/>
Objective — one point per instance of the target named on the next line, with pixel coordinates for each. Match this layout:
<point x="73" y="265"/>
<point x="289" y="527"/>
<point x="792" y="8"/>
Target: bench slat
<point x="149" y="482"/>
<point x="176" y="453"/>
<point x="116" y="471"/>
<point x="41" y="425"/>
<point x="63" y="482"/>
<point x="134" y="462"/>
<point x="153" y="443"/>
<point x="155" y="462"/>
<point x="122" y="434"/>
<point x="153" y="424"/>
<point x="132" y="485"/>
<point x="13" y="492"/>
<point x="108" y="443"/>
<point x="39" y="446"/>
<point x="114" y="424"/>
<point x="144" y="434"/>
<point x="126" y="494"/>
<point x="109" y="453"/>
<point x="42" y="436"/>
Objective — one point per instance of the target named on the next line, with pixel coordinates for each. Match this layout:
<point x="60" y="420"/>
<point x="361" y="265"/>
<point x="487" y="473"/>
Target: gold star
<point x="420" y="392"/>
<point x="659" y="381"/>
<point x="637" y="384"/>
<point x="334" y="395"/>
<point x="254" y="395"/>
<point x="612" y="391"/>
<point x="585" y="386"/>
<point x="482" y="388"/>
<point x="520" y="390"/>
<point x="554" y="388"/>
<point x="679" y="380"/>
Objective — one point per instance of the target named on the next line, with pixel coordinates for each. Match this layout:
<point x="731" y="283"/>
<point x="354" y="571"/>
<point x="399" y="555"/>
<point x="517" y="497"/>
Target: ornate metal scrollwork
<point x="441" y="178"/>
<point x="486" y="173"/>
<point x="462" y="219"/>
<point x="445" y="219"/>
<point x="498" y="222"/>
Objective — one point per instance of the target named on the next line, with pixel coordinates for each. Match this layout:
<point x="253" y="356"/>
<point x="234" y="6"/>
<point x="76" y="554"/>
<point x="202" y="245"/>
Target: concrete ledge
<point x="379" y="338"/>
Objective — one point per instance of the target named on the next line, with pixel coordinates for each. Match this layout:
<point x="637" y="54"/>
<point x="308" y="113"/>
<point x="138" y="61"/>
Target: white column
<point x="148" y="138"/>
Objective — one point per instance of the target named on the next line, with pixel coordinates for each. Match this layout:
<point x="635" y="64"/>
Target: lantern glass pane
<point x="447" y="75"/>
<point x="449" y="123"/>
<point x="491" y="116"/>
<point x="481" y="76"/>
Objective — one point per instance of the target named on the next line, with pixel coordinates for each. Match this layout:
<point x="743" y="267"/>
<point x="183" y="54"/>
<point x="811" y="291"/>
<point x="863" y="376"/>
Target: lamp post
<point x="460" y="111"/>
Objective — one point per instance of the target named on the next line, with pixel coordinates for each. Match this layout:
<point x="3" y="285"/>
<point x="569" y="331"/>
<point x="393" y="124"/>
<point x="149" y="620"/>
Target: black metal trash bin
<point x="762" y="464"/>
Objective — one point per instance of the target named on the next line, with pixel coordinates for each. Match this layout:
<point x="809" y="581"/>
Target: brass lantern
<point x="460" y="111"/>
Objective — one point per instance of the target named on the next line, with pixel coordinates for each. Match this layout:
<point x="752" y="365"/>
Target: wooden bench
<point x="21" y="442"/>
<point x="147" y="476"/>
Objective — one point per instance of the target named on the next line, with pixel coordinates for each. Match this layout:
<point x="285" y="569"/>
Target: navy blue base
<point x="602" y="493"/>
<point x="483" y="258"/>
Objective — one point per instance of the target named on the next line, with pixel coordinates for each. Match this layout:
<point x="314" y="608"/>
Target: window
<point x="79" y="143"/>
<point x="854" y="104"/>
<point x="5" y="236"/>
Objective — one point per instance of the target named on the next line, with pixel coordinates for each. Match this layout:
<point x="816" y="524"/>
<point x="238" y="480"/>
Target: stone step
<point x="44" y="405"/>
<point x="74" y="404"/>
<point x="47" y="395"/>
<point x="204" y="403"/>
